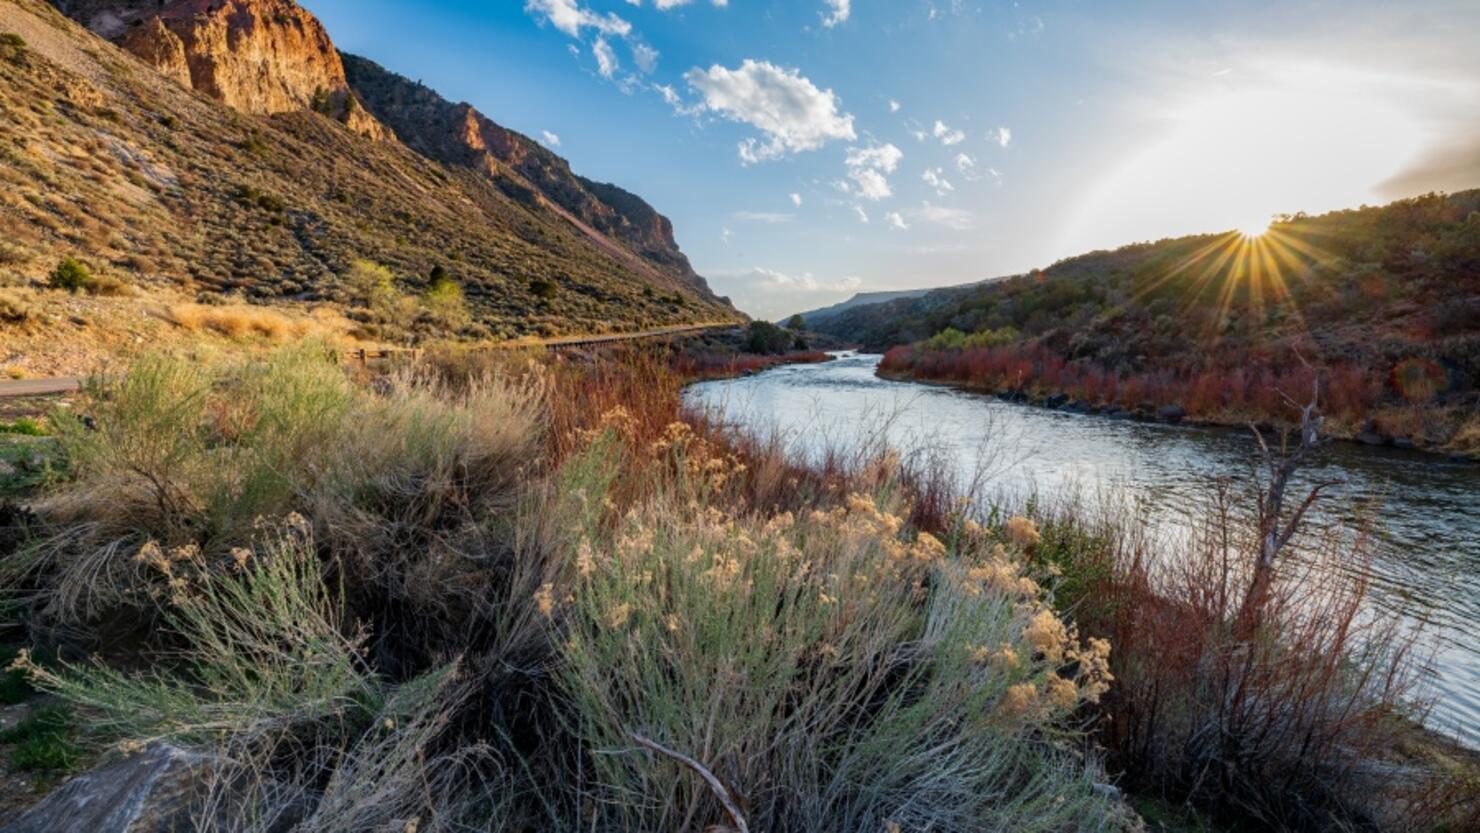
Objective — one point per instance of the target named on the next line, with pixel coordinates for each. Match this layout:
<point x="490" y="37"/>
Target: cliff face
<point x="256" y="56"/>
<point x="458" y="134"/>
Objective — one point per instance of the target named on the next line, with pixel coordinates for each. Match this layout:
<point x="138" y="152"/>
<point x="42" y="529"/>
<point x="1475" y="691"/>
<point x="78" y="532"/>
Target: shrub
<point x="444" y="302"/>
<point x="766" y="338"/>
<point x="42" y="742"/>
<point x="544" y="289"/>
<point x="25" y="426"/>
<point x="70" y="275"/>
<point x="12" y="46"/>
<point x="14" y="309"/>
<point x="839" y="671"/>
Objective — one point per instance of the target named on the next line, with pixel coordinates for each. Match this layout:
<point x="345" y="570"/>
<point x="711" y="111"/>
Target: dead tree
<point x="1275" y="527"/>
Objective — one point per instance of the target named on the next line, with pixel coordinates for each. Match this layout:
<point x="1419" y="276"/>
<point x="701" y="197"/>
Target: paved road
<point x="67" y="384"/>
<point x="39" y="387"/>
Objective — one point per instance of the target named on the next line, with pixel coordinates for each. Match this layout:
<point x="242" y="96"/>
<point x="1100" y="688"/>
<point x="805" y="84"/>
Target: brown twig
<point x="720" y="792"/>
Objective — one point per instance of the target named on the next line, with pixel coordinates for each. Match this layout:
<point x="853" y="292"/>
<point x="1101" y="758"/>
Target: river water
<point x="1426" y="570"/>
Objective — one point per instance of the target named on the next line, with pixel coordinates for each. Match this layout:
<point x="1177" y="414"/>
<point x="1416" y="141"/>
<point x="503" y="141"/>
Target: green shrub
<point x="768" y="339"/>
<point x="43" y="741"/>
<point x="542" y="288"/>
<point x="25" y="426"/>
<point x="444" y="301"/>
<point x="70" y="275"/>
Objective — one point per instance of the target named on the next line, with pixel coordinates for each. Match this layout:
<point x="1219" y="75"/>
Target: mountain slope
<point x="816" y="317"/>
<point x="458" y="134"/>
<point x="107" y="159"/>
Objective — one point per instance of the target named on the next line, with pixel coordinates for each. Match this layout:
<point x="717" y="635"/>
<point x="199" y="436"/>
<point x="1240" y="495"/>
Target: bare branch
<point x="720" y="791"/>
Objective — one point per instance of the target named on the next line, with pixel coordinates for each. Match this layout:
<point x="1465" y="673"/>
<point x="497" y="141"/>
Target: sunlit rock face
<point x="256" y="56"/>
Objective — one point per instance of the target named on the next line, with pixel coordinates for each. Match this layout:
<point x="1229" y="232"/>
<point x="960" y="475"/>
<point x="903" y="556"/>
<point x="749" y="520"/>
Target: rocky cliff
<point x="256" y="56"/>
<point x="457" y="134"/>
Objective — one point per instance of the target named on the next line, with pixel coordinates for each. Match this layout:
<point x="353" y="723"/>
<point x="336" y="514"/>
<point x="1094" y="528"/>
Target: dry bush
<point x="15" y="307"/>
<point x="239" y="322"/>
<point x="1283" y="721"/>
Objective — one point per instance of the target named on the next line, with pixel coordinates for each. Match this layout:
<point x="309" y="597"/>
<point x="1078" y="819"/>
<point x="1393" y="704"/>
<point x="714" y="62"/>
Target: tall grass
<point x="445" y="605"/>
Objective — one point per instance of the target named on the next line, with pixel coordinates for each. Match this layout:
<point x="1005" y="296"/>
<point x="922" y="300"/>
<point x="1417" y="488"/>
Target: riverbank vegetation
<point x="1384" y="301"/>
<point x="541" y="595"/>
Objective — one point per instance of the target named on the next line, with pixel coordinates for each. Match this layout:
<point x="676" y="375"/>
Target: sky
<point x="807" y="150"/>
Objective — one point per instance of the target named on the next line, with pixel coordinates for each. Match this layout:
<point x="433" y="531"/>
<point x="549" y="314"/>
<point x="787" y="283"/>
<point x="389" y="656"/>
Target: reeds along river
<point x="1427" y="565"/>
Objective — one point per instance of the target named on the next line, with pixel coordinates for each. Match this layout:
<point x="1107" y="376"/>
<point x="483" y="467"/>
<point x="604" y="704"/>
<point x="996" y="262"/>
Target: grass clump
<point x="43" y="741"/>
<point x="24" y="426"/>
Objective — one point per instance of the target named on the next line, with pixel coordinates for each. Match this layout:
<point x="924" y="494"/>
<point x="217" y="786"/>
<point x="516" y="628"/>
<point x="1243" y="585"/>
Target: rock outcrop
<point x="457" y="134"/>
<point x="256" y="56"/>
<point x="160" y="790"/>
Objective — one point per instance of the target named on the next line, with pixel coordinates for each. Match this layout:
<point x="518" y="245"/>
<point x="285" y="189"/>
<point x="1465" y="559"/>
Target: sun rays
<point x="1247" y="273"/>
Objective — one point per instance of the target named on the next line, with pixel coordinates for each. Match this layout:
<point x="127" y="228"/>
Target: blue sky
<point x="809" y="149"/>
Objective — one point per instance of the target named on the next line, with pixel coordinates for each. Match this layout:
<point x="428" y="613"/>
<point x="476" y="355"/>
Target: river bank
<point x="1369" y="432"/>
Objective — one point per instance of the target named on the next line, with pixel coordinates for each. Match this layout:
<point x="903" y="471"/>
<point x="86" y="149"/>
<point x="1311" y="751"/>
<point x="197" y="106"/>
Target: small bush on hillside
<point x="70" y="275"/>
<point x="444" y="302"/>
<point x="12" y="46"/>
<point x="14" y="309"/>
<point x="545" y="289"/>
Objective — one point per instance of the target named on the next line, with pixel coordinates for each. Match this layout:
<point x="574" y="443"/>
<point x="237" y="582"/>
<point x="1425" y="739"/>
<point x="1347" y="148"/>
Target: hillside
<point x="221" y="153"/>
<point x="815" y="317"/>
<point x="1385" y="301"/>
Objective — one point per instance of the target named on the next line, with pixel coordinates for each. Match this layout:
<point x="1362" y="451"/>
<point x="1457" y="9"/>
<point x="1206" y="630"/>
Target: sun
<point x="1254" y="229"/>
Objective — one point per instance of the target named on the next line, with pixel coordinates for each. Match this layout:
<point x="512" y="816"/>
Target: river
<point x="1426" y="569"/>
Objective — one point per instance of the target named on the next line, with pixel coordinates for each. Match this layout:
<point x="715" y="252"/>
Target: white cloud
<point x="867" y="168"/>
<point x="645" y="57"/>
<point x="952" y="218"/>
<point x="862" y="215"/>
<point x="773" y="295"/>
<point x="946" y="135"/>
<point x="894" y="106"/>
<point x="551" y="139"/>
<point x="935" y="178"/>
<point x="570" y="17"/>
<point x="796" y="200"/>
<point x="762" y="217"/>
<point x="665" y="5"/>
<point x="725" y="236"/>
<point x="1001" y="136"/>
<point x="606" y="58"/>
<point x="837" y="12"/>
<point x="789" y="109"/>
<point x="966" y="165"/>
<point x="896" y="221"/>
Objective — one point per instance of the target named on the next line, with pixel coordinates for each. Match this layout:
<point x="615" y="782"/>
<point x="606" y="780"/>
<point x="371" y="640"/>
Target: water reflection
<point x="1427" y="569"/>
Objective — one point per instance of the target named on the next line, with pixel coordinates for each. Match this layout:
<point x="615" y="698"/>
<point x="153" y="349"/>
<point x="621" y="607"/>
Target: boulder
<point x="159" y="790"/>
<point x="1058" y="400"/>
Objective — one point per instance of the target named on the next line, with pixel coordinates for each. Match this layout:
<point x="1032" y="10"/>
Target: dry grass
<point x="241" y="321"/>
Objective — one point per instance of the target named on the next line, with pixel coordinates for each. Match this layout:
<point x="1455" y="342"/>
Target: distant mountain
<point x="817" y="316"/>
<point x="225" y="146"/>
